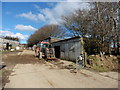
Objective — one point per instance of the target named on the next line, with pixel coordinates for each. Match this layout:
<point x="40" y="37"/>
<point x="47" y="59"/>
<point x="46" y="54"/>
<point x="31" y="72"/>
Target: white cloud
<point x="61" y="9"/>
<point x="8" y="33"/>
<point x="29" y="15"/>
<point x="53" y="15"/>
<point x="41" y="17"/>
<point x="25" y="27"/>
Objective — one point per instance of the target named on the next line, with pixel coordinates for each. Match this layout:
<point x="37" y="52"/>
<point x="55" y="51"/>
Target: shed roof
<point x="52" y="39"/>
<point x="68" y="39"/>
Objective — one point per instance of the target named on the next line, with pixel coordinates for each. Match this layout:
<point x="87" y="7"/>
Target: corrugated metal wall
<point x="69" y="49"/>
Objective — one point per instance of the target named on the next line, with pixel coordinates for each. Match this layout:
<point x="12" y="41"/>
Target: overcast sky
<point x="21" y="19"/>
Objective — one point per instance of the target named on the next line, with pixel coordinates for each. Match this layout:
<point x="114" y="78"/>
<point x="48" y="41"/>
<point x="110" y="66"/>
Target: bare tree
<point x="11" y="38"/>
<point x="46" y="31"/>
<point x="101" y="22"/>
<point x="77" y="22"/>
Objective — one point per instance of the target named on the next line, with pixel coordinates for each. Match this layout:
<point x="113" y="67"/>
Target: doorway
<point x="57" y="51"/>
<point x="7" y="46"/>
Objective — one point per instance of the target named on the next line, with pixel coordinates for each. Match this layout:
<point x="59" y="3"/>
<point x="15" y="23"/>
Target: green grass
<point x="101" y="65"/>
<point x="100" y="69"/>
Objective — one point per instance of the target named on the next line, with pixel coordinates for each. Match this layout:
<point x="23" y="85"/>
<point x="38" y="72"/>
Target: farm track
<point x="26" y="71"/>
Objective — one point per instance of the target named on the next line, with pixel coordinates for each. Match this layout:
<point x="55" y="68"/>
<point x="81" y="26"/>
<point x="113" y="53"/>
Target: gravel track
<point x="29" y="72"/>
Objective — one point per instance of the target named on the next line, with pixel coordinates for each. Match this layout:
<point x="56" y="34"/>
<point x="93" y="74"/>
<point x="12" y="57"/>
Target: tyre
<point x="45" y="53"/>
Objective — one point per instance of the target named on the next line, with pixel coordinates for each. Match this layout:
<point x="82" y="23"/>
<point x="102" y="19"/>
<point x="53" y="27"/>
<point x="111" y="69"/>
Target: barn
<point x="7" y="44"/>
<point x="68" y="49"/>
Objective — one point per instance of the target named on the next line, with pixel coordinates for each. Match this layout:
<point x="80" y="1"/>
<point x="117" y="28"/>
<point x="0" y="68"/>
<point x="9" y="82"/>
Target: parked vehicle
<point x="43" y="50"/>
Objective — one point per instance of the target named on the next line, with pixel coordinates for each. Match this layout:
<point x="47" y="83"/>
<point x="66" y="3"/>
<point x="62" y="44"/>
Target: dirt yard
<point x="26" y="71"/>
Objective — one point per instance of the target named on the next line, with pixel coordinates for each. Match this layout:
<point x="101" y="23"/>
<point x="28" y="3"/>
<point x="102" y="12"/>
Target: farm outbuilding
<point x="7" y="44"/>
<point x="68" y="49"/>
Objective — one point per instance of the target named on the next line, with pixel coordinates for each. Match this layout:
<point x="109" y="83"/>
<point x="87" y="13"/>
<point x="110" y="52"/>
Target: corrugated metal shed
<point x="68" y="49"/>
